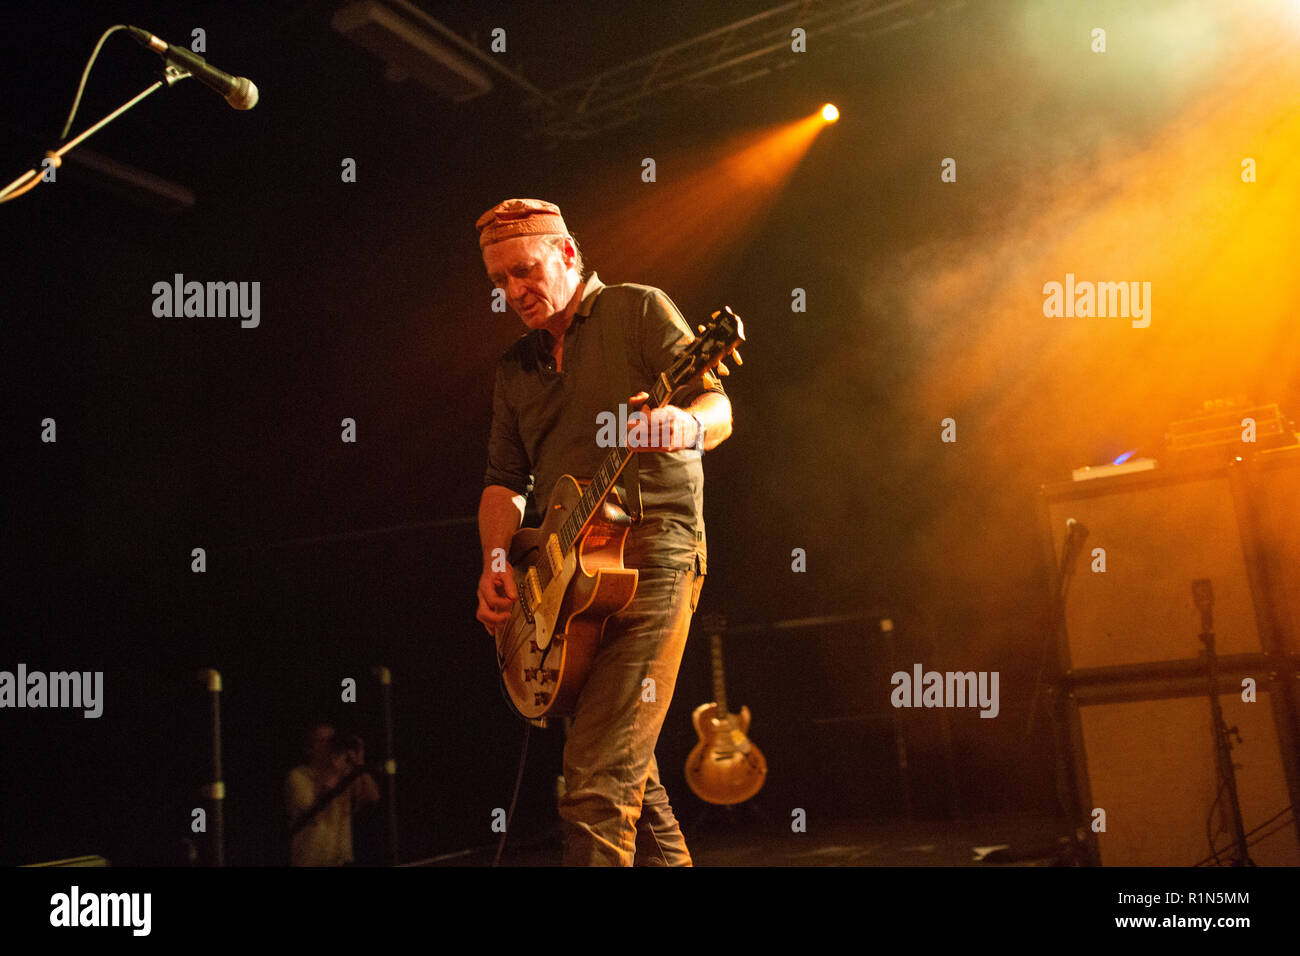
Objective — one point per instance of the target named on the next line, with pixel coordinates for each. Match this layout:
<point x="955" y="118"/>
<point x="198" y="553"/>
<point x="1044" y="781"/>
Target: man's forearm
<point x="500" y="513"/>
<point x="714" y="412"/>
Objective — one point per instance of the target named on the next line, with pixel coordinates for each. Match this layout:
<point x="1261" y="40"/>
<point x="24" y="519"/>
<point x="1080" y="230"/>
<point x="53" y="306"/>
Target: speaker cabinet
<point x="1157" y="531"/>
<point x="1129" y="662"/>
<point x="1276" y="495"/>
<point x="1144" y="754"/>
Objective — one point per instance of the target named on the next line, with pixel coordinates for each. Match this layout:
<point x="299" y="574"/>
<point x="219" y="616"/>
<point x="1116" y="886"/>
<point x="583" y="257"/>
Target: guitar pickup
<point x="554" y="555"/>
<point x="532" y="589"/>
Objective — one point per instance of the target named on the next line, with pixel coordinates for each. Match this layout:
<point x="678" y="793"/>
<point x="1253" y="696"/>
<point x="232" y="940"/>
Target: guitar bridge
<point x="543" y="675"/>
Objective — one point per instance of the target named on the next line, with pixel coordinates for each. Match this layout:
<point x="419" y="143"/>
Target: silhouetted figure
<point x="323" y="793"/>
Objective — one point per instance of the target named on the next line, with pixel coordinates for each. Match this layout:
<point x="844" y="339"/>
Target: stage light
<point x="721" y="191"/>
<point x="829" y="113"/>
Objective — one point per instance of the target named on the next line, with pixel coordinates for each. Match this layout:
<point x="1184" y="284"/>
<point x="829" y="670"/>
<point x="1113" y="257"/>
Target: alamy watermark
<point x="75" y="908"/>
<point x="1101" y="299"/>
<point x="645" y="432"/>
<point x="74" y="689"/>
<point x="950" y="689"/>
<point x="208" y="300"/>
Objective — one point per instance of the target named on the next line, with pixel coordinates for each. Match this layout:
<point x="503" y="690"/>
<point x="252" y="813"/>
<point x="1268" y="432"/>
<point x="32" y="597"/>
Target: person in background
<point x="322" y="795"/>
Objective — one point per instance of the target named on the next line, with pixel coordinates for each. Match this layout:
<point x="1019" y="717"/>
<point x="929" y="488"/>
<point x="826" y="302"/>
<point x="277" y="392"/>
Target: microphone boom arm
<point x="33" y="177"/>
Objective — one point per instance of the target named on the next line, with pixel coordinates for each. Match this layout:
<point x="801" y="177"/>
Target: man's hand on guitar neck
<point x="679" y="429"/>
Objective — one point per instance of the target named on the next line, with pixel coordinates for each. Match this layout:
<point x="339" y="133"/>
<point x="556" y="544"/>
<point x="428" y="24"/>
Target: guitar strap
<point x="613" y="336"/>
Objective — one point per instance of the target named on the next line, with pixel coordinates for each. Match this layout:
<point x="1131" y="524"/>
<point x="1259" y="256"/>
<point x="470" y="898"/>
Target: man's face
<point x="322" y="739"/>
<point x="534" y="274"/>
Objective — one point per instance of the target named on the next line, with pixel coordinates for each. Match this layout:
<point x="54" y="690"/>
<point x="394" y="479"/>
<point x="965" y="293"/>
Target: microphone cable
<point x="12" y="191"/>
<point x="85" y="75"/>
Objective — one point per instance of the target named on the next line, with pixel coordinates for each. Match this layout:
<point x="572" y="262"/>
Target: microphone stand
<point x="216" y="790"/>
<point x="1065" y="573"/>
<point x="32" y="178"/>
<point x="390" y="762"/>
<point x="1074" y="851"/>
<point x="1203" y="595"/>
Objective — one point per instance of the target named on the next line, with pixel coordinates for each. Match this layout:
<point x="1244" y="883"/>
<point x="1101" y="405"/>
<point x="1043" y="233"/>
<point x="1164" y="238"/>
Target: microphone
<point x="239" y="91"/>
<point x="1075" y="532"/>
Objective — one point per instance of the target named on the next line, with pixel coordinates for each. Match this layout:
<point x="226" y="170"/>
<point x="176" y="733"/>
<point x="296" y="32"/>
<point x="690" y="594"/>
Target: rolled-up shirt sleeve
<point x="507" y="459"/>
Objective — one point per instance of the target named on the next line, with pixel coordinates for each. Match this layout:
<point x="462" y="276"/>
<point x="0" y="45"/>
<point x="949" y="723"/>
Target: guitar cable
<point x="519" y="779"/>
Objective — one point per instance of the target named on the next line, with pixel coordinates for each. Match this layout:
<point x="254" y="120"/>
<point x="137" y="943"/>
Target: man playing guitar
<point x="550" y="388"/>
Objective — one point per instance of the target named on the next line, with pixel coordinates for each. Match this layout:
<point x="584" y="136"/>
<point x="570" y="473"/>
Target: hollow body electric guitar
<point x="569" y="571"/>
<point x="724" y="767"/>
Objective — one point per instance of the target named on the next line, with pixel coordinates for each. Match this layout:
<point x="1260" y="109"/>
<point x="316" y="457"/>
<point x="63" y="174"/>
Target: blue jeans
<point x="615" y="810"/>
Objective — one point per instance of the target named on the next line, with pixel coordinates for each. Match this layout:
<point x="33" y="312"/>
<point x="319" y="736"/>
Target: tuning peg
<point x="700" y="328"/>
<point x="735" y="353"/>
<point x="722" y="369"/>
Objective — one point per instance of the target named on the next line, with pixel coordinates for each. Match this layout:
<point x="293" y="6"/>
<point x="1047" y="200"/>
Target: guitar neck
<point x="719" y="678"/>
<point x="718" y="340"/>
<point x="606" y="475"/>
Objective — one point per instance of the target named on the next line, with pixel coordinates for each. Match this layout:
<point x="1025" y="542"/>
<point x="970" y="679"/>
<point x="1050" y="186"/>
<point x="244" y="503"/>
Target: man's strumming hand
<point x="496" y="595"/>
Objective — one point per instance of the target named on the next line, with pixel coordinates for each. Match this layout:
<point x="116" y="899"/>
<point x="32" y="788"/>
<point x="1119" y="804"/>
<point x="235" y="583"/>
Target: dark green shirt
<point x="544" y="422"/>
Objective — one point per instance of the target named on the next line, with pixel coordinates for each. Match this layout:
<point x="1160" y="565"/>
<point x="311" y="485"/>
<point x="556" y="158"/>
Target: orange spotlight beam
<point x="680" y="228"/>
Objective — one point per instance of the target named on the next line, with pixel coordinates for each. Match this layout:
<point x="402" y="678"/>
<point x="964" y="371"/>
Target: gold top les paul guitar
<point x="724" y="767"/>
<point x="569" y="571"/>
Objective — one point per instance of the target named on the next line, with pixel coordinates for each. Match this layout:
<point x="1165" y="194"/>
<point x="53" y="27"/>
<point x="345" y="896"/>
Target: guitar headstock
<point x="718" y="339"/>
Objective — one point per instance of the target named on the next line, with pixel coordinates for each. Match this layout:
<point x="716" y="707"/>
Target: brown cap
<point x="520" y="217"/>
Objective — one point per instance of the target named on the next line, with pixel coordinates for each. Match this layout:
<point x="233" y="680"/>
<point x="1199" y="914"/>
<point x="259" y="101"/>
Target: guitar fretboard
<point x="719" y="678"/>
<point x="705" y="352"/>
<point x="604" y="479"/>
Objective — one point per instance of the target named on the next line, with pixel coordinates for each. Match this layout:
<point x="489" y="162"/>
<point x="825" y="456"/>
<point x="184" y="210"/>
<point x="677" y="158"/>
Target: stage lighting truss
<point x="737" y="53"/>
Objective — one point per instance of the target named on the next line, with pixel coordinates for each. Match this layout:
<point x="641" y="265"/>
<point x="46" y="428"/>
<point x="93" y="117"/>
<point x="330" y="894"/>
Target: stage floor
<point x="739" y="839"/>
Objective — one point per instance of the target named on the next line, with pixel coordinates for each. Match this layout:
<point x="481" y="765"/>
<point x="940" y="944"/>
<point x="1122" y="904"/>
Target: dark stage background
<point x="325" y="558"/>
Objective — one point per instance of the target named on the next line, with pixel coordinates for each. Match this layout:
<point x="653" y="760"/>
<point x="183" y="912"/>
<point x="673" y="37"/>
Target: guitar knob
<point x="736" y="356"/>
<point x="700" y="328"/>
